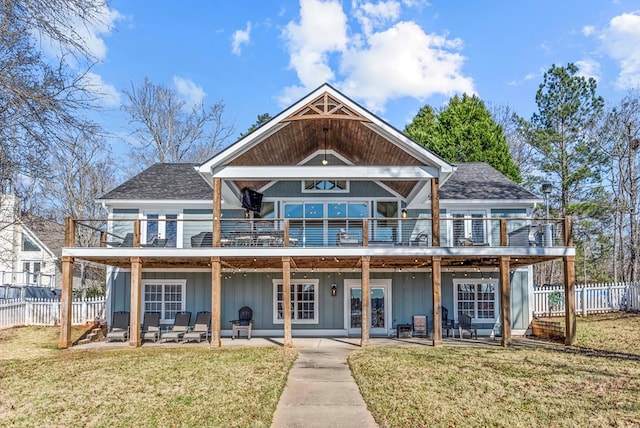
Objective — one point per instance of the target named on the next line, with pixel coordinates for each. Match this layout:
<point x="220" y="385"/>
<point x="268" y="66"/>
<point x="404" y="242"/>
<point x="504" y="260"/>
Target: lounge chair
<point x="201" y="328"/>
<point x="243" y="323"/>
<point x="151" y="327"/>
<point x="178" y="329"/>
<point x="344" y="239"/>
<point x="119" y="327"/>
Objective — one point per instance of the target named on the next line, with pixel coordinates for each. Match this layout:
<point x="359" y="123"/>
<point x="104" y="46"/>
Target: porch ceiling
<point x="306" y="263"/>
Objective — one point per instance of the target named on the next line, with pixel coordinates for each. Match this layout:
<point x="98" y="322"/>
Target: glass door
<point x="379" y="308"/>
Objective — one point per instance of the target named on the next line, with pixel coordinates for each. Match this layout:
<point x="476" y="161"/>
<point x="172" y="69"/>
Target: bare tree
<point x="521" y="151"/>
<point x="168" y="130"/>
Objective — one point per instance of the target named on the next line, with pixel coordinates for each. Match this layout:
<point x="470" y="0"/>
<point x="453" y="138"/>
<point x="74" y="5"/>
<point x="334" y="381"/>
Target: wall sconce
<point x="325" y="161"/>
<point x="404" y="214"/>
<point x="334" y="290"/>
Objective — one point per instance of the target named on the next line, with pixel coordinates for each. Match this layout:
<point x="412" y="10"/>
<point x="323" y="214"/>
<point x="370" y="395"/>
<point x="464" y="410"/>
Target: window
<point x="28" y="244"/>
<point x="325" y="186"/>
<point x="163" y="227"/>
<point x="468" y="225"/>
<point x="304" y="309"/>
<point x="164" y="296"/>
<point x="477" y="298"/>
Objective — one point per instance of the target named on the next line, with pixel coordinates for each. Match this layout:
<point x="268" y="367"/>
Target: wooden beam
<point x="503" y="233"/>
<point x="365" y="232"/>
<point x="435" y="212"/>
<point x="135" y="302"/>
<point x="69" y="232"/>
<point x="66" y="302"/>
<point x="217" y="211"/>
<point x="216" y="303"/>
<point x="136" y="233"/>
<point x="436" y="282"/>
<point x="505" y="300"/>
<point x="570" y="299"/>
<point x="286" y="300"/>
<point x="366" y="301"/>
<point x="568" y="231"/>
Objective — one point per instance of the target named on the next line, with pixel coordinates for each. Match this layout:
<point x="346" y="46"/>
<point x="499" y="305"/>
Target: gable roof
<point x="48" y="233"/>
<point x="479" y="180"/>
<point x="164" y="181"/>
<point x="297" y="133"/>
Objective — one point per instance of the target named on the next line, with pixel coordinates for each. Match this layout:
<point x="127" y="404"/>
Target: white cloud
<point x="588" y="30"/>
<point x="385" y="60"/>
<point x="530" y="76"/>
<point x="239" y="38"/>
<point x="107" y="94"/>
<point x="620" y="41"/>
<point x="189" y="91"/>
<point x="589" y="68"/>
<point x="404" y="61"/>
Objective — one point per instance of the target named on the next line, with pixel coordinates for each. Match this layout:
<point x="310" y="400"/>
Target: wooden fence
<point x="20" y="312"/>
<point x="590" y="298"/>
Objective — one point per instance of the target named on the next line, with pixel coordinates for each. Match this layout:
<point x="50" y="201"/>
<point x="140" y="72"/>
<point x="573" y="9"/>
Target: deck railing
<point x="321" y="232"/>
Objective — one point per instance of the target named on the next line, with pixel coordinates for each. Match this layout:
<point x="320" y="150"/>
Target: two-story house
<point x="331" y="212"/>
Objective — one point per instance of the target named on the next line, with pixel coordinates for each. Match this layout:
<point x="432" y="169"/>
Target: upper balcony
<point x="525" y="239"/>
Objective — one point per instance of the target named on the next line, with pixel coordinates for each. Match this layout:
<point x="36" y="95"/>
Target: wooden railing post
<point x="217" y="211"/>
<point x="69" y="232"/>
<point x="365" y="232"/>
<point x="285" y="236"/>
<point x="503" y="232"/>
<point x="435" y="212"/>
<point x="136" y="233"/>
<point x="568" y="231"/>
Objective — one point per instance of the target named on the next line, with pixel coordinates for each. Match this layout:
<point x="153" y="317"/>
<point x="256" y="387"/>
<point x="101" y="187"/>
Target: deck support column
<point x="435" y="212"/>
<point x="570" y="299"/>
<point x="436" y="283"/>
<point x="66" y="302"/>
<point x="366" y="301"/>
<point x="286" y="300"/>
<point x="216" y="303"/>
<point x="505" y="300"/>
<point x="136" y="294"/>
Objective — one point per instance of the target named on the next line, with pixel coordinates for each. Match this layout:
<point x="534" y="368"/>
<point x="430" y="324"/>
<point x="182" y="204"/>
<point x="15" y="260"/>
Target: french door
<point x="379" y="307"/>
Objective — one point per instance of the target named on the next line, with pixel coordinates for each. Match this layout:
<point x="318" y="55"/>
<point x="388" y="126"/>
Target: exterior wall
<point x="411" y="294"/>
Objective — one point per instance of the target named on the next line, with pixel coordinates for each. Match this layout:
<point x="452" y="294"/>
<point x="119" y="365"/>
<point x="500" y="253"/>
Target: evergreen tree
<point x="464" y="131"/>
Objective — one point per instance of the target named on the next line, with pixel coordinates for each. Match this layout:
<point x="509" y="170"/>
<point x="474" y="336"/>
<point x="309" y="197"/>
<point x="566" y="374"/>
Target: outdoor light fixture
<point x="334" y="290"/>
<point x="404" y="214"/>
<point x="325" y="161"/>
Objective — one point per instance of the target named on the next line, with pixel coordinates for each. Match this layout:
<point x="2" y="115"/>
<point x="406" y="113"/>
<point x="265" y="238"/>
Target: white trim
<point x="316" y="301"/>
<point x="330" y="179"/>
<point x="476" y="281"/>
<point x="346" y="172"/>
<point x="163" y="282"/>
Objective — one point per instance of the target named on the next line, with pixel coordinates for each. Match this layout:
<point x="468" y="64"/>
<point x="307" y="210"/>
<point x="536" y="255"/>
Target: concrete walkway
<point x="320" y="391"/>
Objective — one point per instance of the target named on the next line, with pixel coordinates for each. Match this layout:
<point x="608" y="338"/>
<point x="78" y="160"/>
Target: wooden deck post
<point x="216" y="303"/>
<point x="136" y="233"/>
<point x="435" y="212"/>
<point x="217" y="211"/>
<point x="503" y="233"/>
<point x="286" y="300"/>
<point x="570" y="299"/>
<point x="285" y="237"/>
<point x="135" y="302"/>
<point x="66" y="302"/>
<point x="366" y="301"/>
<point x="365" y="232"/>
<point x="436" y="283"/>
<point x="505" y="300"/>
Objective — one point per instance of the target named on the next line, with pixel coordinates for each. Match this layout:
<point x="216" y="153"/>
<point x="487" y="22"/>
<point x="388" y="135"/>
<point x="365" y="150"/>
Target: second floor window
<point x="325" y="186"/>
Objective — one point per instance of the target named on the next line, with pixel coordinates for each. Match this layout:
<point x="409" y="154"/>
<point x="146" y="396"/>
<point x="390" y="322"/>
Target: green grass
<point x="138" y="387"/>
<point x="513" y="387"/>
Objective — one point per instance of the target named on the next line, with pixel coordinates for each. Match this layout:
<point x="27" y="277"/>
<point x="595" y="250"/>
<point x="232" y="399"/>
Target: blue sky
<point x="393" y="57"/>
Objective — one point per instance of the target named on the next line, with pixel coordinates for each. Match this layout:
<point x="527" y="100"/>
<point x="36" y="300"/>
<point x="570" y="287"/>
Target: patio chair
<point x="344" y="239"/>
<point x="469" y="242"/>
<point x="151" y="327"/>
<point x="178" y="329"/>
<point x="243" y="233"/>
<point x="127" y="241"/>
<point x="243" y="323"/>
<point x="265" y="234"/>
<point x="201" y="328"/>
<point x="447" y="324"/>
<point x="119" y="327"/>
<point x="464" y="324"/>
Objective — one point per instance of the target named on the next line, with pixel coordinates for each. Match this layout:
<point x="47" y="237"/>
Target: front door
<point x="379" y="304"/>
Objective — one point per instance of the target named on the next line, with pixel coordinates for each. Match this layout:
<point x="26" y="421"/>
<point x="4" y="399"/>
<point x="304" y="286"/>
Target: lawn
<point x="596" y="383"/>
<point x="42" y="386"/>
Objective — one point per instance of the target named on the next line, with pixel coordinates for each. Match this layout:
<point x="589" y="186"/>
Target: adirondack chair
<point x="464" y="324"/>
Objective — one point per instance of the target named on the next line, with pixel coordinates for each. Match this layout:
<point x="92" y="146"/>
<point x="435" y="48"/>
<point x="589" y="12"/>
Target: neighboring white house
<point x="30" y="247"/>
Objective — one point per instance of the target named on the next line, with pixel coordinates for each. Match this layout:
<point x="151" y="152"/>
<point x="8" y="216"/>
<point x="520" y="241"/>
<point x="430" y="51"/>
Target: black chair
<point x="447" y="324"/>
<point x="243" y="323"/>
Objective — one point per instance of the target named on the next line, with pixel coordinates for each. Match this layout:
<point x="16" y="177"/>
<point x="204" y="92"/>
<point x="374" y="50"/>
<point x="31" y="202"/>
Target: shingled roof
<point x="163" y="181"/>
<point x="478" y="180"/>
<point x="48" y="232"/>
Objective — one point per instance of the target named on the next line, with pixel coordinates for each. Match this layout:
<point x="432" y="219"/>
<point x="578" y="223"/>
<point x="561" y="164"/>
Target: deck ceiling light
<point x="325" y="161"/>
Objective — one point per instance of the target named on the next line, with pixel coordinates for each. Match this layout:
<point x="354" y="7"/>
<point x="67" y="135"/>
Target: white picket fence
<point x="20" y="312"/>
<point x="590" y="298"/>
